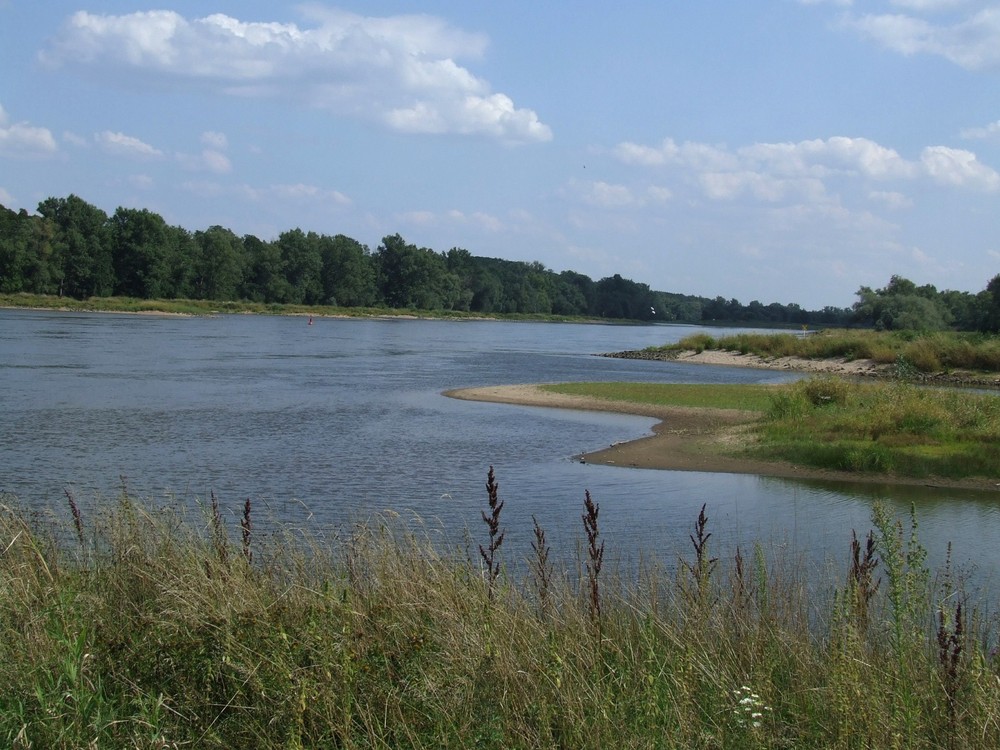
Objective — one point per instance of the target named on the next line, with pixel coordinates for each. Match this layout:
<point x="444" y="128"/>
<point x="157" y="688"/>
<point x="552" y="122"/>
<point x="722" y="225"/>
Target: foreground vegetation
<point x="834" y="423"/>
<point x="911" y="353"/>
<point x="144" y="627"/>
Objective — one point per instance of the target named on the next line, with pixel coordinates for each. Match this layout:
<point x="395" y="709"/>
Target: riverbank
<point x="849" y="367"/>
<point x="948" y="359"/>
<point x="691" y="439"/>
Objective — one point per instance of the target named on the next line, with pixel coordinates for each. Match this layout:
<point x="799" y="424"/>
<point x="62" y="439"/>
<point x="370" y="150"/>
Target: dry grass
<point x="152" y="632"/>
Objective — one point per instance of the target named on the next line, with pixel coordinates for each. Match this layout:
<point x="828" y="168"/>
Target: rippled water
<point x="328" y="423"/>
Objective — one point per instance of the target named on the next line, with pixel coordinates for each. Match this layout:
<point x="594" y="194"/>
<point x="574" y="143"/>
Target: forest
<point x="72" y="248"/>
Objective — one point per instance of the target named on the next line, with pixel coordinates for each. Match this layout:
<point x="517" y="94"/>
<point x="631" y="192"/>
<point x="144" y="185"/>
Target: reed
<point x="381" y="635"/>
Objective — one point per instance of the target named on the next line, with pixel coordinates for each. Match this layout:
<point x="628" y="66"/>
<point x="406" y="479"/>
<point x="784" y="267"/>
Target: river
<point x="324" y="425"/>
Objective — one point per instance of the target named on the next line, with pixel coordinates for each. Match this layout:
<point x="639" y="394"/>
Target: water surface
<point x="329" y="423"/>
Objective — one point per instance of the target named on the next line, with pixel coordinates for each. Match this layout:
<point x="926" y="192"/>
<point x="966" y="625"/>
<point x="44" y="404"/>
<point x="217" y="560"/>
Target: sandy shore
<point x="687" y="439"/>
<point x="855" y="367"/>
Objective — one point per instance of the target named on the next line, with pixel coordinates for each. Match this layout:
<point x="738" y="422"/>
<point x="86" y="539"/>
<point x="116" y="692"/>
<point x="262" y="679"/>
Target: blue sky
<point x="777" y="150"/>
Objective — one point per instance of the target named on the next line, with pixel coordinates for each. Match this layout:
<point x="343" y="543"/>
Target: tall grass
<point x="923" y="353"/>
<point x="150" y="633"/>
<point x="883" y="427"/>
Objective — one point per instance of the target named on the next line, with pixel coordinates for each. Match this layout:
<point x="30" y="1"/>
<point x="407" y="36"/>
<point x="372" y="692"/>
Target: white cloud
<point x="479" y="219"/>
<point x="694" y="155"/>
<point x="141" y="181"/>
<point x="657" y="194"/>
<point x="953" y="166"/>
<point x="774" y="172"/>
<point x="209" y="160"/>
<point x="6" y="198"/>
<point x="23" y="139"/>
<point x="991" y="130"/>
<point x="928" y="5"/>
<point x="120" y="144"/>
<point x="973" y="42"/>
<point x="295" y="193"/>
<point x="606" y="195"/>
<point x="75" y="140"/>
<point x="648" y="156"/>
<point x="418" y="217"/>
<point x="216" y="161"/>
<point x="890" y="199"/>
<point x="217" y="141"/>
<point x="399" y="70"/>
<point x="822" y="157"/>
<point x="300" y="191"/>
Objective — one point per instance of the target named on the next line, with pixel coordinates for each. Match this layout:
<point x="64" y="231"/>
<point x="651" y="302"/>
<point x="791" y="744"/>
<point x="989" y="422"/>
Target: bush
<point x="923" y="355"/>
<point x="825" y="391"/>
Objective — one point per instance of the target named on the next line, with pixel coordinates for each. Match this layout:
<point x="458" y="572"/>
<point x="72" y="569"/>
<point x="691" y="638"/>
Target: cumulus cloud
<point x="972" y="42"/>
<point x="953" y="166"/>
<point x="120" y="144"/>
<point x="606" y="195"/>
<point x="773" y="172"/>
<point x="24" y="139"/>
<point x="398" y="70"/>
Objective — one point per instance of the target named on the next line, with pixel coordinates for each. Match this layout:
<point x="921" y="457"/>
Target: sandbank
<point x="690" y="439"/>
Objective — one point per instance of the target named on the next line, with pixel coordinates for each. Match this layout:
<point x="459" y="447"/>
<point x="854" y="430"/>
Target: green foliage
<point x="73" y="249"/>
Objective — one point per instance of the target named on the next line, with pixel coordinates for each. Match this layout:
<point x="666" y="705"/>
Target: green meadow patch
<point x="708" y="396"/>
<point x="835" y="423"/>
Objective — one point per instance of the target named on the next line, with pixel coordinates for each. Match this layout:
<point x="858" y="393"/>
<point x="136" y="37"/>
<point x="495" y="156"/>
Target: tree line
<point x="72" y="248"/>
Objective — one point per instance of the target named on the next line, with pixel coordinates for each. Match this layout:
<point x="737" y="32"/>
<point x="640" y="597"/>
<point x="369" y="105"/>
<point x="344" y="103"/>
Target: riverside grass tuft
<point x="150" y="634"/>
<point x="895" y="427"/>
<point x="912" y="354"/>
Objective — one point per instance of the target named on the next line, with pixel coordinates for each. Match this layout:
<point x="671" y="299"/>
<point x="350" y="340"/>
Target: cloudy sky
<point x="777" y="150"/>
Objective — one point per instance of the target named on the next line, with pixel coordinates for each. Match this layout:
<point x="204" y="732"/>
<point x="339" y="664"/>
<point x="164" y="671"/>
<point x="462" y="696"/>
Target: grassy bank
<point x="834" y="423"/>
<point x="911" y="352"/>
<point x="699" y="395"/>
<point x="146" y="628"/>
<point x="211" y="307"/>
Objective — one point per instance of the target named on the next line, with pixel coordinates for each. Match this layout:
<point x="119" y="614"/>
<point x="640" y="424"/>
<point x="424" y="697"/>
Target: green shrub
<point x="825" y="391"/>
<point x="697" y="342"/>
<point x="924" y="355"/>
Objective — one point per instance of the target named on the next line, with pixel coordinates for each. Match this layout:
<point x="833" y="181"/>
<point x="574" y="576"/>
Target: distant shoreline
<point x="688" y="439"/>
